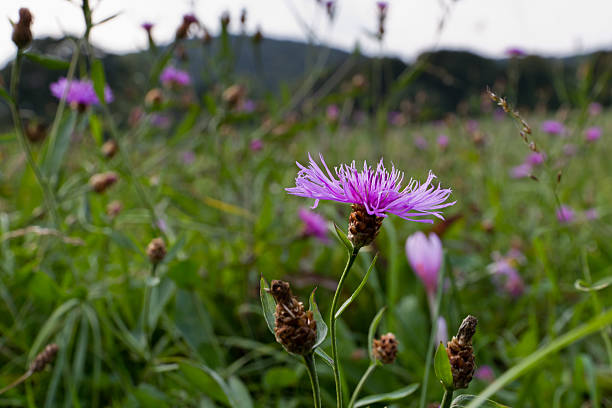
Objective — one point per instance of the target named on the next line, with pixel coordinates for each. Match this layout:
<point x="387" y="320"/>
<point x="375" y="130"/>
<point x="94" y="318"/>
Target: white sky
<point x="549" y="27"/>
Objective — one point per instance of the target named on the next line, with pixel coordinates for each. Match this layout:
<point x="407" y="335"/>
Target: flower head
<point x="515" y="52"/>
<point x="314" y="225"/>
<point x="485" y="373"/>
<point x="565" y="214"/>
<point x="80" y="92"/>
<point x="442" y="141"/>
<point x="420" y="142"/>
<point x="595" y="108"/>
<point x="173" y="76"/>
<point x="535" y="158"/>
<point x="425" y="257"/>
<point x="591" y="214"/>
<point x="593" y="133"/>
<point x="147" y="27"/>
<point x="552" y="127"/>
<point x="256" y="145"/>
<point x="521" y="171"/>
<point x="332" y="112"/>
<point x="377" y="190"/>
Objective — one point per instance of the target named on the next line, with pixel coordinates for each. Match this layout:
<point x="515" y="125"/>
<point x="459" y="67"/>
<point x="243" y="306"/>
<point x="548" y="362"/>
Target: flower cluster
<point x="80" y="92"/>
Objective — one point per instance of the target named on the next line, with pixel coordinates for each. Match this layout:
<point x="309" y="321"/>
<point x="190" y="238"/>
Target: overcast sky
<point x="489" y="27"/>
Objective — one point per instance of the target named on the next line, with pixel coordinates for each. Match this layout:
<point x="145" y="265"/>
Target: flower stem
<point x="447" y="399"/>
<point x="434" y="328"/>
<point x="332" y="325"/>
<point x="360" y="384"/>
<point x="314" y="379"/>
<point x="25" y="145"/>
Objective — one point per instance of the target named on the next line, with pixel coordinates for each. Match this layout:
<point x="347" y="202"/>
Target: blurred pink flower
<point x="535" y="158"/>
<point x="173" y="76"/>
<point x="593" y="133"/>
<point x="314" y="225"/>
<point x="256" y="145"/>
<point x="332" y="112"/>
<point x="420" y="142"/>
<point x="521" y="171"/>
<point x="505" y="273"/>
<point x="396" y="118"/>
<point x="425" y="257"/>
<point x="147" y="26"/>
<point x="188" y="157"/>
<point x="552" y="127"/>
<point x="515" y="52"/>
<point x="442" y="141"/>
<point x="591" y="214"/>
<point x="485" y="373"/>
<point x="565" y="214"/>
<point x="382" y="6"/>
<point x="471" y="125"/>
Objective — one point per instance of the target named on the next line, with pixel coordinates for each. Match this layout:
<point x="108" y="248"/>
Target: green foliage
<point x="442" y="367"/>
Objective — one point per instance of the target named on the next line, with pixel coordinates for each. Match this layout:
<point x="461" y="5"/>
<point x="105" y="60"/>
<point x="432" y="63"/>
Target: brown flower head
<point x="102" y="181"/>
<point x="110" y="148"/>
<point x="156" y="250"/>
<point x="22" y="34"/>
<point x="385" y="348"/>
<point x="363" y="227"/>
<point x="461" y="353"/>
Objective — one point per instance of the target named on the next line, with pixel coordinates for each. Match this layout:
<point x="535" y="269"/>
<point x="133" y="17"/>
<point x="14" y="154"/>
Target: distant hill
<point x="449" y="81"/>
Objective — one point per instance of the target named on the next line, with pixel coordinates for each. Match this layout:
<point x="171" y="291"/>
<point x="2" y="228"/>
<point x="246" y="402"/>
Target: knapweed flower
<point x="535" y="158"/>
<point x="147" y="27"/>
<point x="565" y="214"/>
<point x="382" y="6"/>
<point x="79" y="92"/>
<point x="420" y="142"/>
<point x="425" y="257"/>
<point x="552" y="127"/>
<point x="332" y="113"/>
<point x="521" y="171"/>
<point x="314" y="225"/>
<point x="461" y="354"/>
<point x="385" y="348"/>
<point x="505" y="273"/>
<point x="593" y="133"/>
<point x="442" y="141"/>
<point x="374" y="193"/>
<point x="595" y="108"/>
<point x="256" y="145"/>
<point x="172" y="76"/>
<point x="591" y="214"/>
<point x="156" y="250"/>
<point x="22" y="34"/>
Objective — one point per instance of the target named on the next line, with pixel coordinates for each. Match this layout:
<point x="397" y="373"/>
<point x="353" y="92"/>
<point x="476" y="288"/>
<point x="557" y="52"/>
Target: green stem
<point x="314" y="379"/>
<point x="360" y="384"/>
<point x="447" y="399"/>
<point x="434" y="328"/>
<point x="25" y="144"/>
<point x="145" y="305"/>
<point x="332" y="325"/>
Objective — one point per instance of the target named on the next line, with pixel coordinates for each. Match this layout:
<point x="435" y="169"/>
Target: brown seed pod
<point x="385" y="348"/>
<point x="461" y="353"/>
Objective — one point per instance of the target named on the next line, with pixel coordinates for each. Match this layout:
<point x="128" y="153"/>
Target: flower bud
<point x="110" y="148"/>
<point x="43" y="358"/>
<point x="385" y="348"/>
<point x="113" y="208"/>
<point x="36" y="132"/>
<point x="156" y="250"/>
<point x="22" y="34"/>
<point x="102" y="181"/>
<point x="295" y="329"/>
<point x="461" y="354"/>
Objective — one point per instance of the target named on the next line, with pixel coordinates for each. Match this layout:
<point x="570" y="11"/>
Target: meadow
<point x="140" y="242"/>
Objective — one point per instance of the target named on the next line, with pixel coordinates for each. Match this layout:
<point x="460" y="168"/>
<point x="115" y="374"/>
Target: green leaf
<point x="240" y="393"/>
<point x="96" y="128"/>
<point x="206" y="381"/>
<point x="51" y="325"/>
<point x="358" y="290"/>
<point x="442" y="367"/>
<point x="387" y="397"/>
<point x="187" y="123"/>
<point x="324" y="356"/>
<point x="343" y="238"/>
<point x="463" y="399"/>
<point x="321" y="326"/>
<point x="372" y="331"/>
<point x="599" y="285"/>
<point x="58" y="145"/>
<point x="47" y="61"/>
<point x="267" y="303"/>
<point x="99" y="80"/>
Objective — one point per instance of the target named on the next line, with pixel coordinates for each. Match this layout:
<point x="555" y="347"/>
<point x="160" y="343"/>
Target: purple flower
<point x="471" y="125"/>
<point x="521" y="171"/>
<point x="314" y="225"/>
<point x="593" y="133"/>
<point x="378" y="190"/>
<point x="248" y="106"/>
<point x="595" y="108"/>
<point x="552" y="127"/>
<point x="382" y="6"/>
<point x="173" y="76"/>
<point x="515" y="52"/>
<point x="147" y="26"/>
<point x="332" y="112"/>
<point x="485" y="373"/>
<point x="396" y="118"/>
<point x="256" y="145"/>
<point x="442" y="142"/>
<point x="504" y="269"/>
<point x="442" y="331"/>
<point x="160" y="121"/>
<point x="420" y="142"/>
<point x="425" y="257"/>
<point x="535" y="158"/>
<point x="591" y="214"/>
<point x="79" y="91"/>
<point x="565" y="214"/>
<point x="188" y="157"/>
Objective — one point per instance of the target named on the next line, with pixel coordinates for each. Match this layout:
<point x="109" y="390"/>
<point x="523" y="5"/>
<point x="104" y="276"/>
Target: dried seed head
<point x="154" y="97"/>
<point x="22" y="34"/>
<point x="110" y="148"/>
<point x="258" y="36"/>
<point x="36" y="132"/>
<point x="234" y="95"/>
<point x="385" y="348"/>
<point x="461" y="353"/>
<point x="156" y="250"/>
<point x="102" y="181"/>
<point x="43" y="358"/>
<point x="295" y="328"/>
<point x="363" y="227"/>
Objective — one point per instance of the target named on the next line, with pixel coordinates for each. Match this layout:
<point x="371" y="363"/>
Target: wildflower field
<point x="210" y="248"/>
